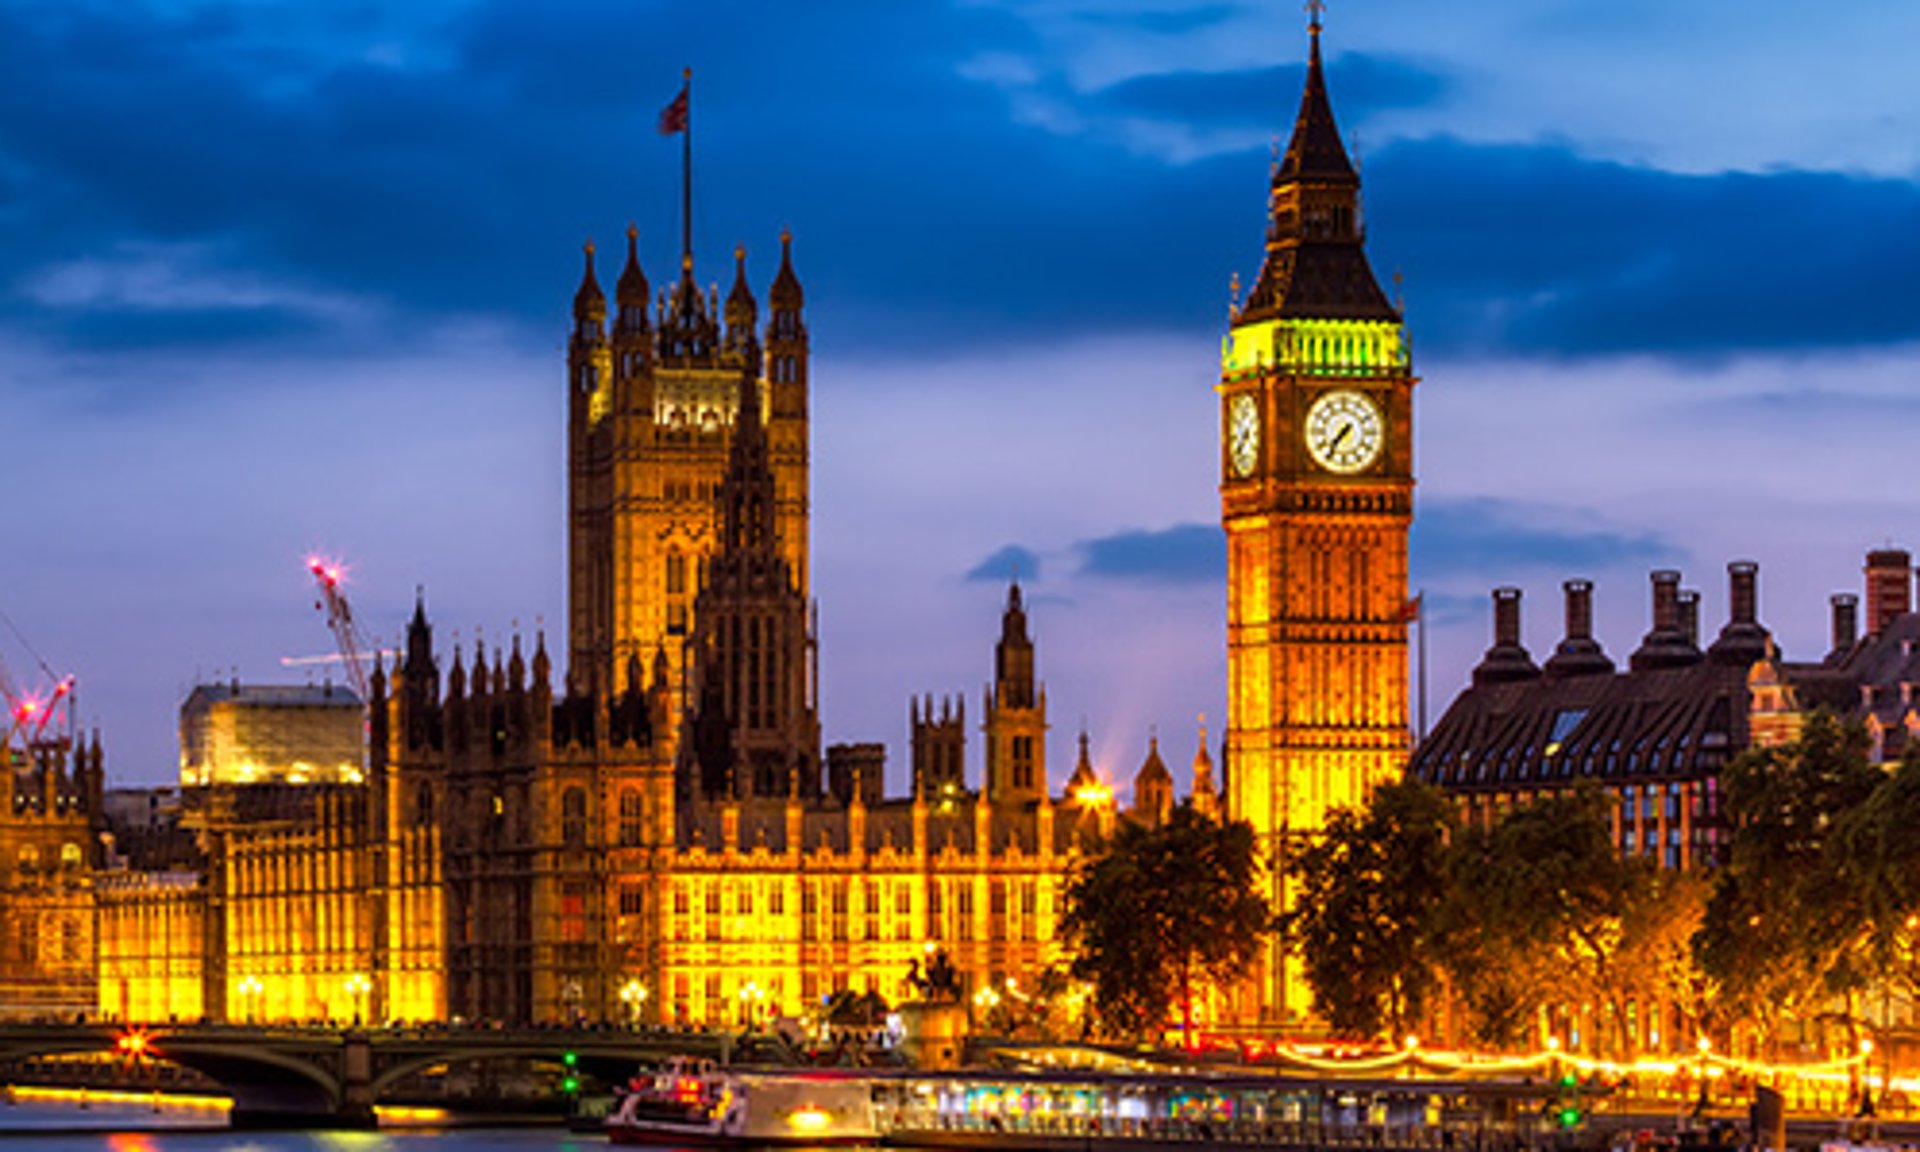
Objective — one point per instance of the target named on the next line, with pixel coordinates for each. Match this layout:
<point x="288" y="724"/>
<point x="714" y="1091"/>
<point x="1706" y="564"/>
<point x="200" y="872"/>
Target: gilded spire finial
<point x="1315" y="10"/>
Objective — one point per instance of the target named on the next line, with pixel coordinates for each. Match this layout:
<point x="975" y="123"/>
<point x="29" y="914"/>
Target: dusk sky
<point x="280" y="277"/>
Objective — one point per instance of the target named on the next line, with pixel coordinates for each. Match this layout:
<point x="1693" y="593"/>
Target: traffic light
<point x="570" y="1083"/>
<point x="1567" y="1112"/>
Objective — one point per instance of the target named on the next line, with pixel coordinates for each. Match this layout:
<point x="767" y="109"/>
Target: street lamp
<point x="250" y="990"/>
<point x="634" y="995"/>
<point x="751" y="996"/>
<point x="1705" y="1047"/>
<point x="357" y="986"/>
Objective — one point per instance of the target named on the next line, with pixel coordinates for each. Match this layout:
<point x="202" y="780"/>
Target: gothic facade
<point x="50" y="820"/>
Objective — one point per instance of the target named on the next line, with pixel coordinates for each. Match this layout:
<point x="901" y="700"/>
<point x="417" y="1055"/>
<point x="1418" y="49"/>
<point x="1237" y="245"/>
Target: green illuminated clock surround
<point x="1344" y="431"/>
<point x="1243" y="434"/>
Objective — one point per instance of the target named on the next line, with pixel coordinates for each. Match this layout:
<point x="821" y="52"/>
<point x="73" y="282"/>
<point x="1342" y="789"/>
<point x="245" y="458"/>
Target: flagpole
<point x="1421" y="620"/>
<point x="686" y="175"/>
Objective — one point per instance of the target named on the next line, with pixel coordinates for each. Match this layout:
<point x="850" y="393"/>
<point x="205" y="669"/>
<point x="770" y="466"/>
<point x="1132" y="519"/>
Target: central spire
<point x="1316" y="266"/>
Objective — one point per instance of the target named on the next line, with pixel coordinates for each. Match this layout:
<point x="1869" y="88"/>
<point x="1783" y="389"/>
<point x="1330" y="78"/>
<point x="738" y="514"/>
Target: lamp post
<point x="634" y="995"/>
<point x="250" y="990"/>
<point x="751" y="997"/>
<point x="357" y="986"/>
<point x="1705" y="1047"/>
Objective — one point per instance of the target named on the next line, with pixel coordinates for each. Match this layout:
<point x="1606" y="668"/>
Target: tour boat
<point x="693" y="1104"/>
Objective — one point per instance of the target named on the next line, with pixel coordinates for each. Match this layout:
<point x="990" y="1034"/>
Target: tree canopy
<point x="1163" y="912"/>
<point x="1817" y="886"/>
<point x="1369" y="894"/>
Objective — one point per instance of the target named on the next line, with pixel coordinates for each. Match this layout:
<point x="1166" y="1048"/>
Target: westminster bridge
<point x="321" y="1077"/>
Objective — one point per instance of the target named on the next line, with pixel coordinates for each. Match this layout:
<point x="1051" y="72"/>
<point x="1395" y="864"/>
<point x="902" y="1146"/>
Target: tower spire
<point x="1316" y="266"/>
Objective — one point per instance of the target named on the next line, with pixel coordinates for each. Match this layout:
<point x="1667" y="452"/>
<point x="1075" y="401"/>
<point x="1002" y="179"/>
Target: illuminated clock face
<point x="1243" y="434"/>
<point x="1344" y="431"/>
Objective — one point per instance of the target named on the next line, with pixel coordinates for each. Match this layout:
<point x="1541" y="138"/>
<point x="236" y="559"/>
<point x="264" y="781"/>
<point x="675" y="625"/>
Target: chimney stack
<point x="1666" y="600"/>
<point x="1665" y="645"/>
<point x="1507" y="660"/>
<point x="1889" y="586"/>
<point x="1506" y="617"/>
<point x="1743" y="640"/>
<point x="1689" y="607"/>
<point x="1579" y="653"/>
<point x="1846" y="622"/>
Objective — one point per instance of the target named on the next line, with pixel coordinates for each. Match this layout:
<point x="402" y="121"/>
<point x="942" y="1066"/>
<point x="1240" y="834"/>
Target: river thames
<point x="127" y="1125"/>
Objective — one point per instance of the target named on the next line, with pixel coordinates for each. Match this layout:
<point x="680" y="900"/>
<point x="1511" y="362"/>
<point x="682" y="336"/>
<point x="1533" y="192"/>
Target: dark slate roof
<point x="1315" y="152"/>
<point x="1318" y="280"/>
<point x="1655" y="724"/>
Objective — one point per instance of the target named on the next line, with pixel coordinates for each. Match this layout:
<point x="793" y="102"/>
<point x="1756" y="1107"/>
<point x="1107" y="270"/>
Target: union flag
<point x="673" y="118"/>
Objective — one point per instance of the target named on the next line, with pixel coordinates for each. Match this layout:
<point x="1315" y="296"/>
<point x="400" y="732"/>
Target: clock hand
<point x="1345" y="429"/>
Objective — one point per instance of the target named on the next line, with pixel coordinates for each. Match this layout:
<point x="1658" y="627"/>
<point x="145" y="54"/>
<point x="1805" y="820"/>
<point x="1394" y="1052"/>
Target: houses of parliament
<point x="655" y="833"/>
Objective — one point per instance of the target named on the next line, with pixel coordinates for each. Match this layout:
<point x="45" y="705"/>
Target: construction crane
<point x="329" y="575"/>
<point x="29" y="713"/>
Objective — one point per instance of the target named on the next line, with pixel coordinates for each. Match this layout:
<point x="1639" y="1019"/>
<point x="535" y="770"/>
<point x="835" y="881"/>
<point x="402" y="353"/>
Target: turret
<point x="688" y="332"/>
<point x="1206" y="794"/>
<point x="1016" y="722"/>
<point x="540" y="693"/>
<point x="630" y="295"/>
<point x="787" y="336"/>
<point x="1153" y="788"/>
<point x="741" y="313"/>
<point x="589" y="307"/>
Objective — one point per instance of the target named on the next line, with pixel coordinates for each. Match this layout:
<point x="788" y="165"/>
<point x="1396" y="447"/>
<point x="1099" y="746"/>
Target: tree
<point x="1786" y="927"/>
<point x="1882" y="841"/>
<point x="1543" y="911"/>
<point x="1517" y="892"/>
<point x="1370" y="890"/>
<point x="1162" y="911"/>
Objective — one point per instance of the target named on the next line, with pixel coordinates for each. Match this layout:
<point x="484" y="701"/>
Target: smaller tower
<point x="1153" y="788"/>
<point x="1206" y="794"/>
<point x="939" y="748"/>
<point x="1016" y="725"/>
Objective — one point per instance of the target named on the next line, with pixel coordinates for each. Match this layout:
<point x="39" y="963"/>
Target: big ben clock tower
<point x="1316" y="495"/>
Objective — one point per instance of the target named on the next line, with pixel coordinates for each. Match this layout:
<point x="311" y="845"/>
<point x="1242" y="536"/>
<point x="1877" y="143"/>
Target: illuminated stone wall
<point x="789" y="906"/>
<point x="152" y="934"/>
<point x="290" y="891"/>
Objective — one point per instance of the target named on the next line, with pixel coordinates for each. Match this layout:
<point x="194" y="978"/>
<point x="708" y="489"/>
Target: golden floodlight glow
<point x="808" y="1119"/>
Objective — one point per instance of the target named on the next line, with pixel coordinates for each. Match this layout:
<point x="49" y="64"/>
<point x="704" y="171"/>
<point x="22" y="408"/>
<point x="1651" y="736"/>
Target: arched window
<point x="423" y="805"/>
<point x="69" y="855"/>
<point x="573" y="818"/>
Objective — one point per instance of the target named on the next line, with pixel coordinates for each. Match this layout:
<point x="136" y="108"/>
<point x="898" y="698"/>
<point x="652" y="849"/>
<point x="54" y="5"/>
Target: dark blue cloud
<point x="1268" y="96"/>
<point x="1182" y="554"/>
<point x="1492" y="539"/>
<point x="459" y="182"/>
<point x="1537" y="250"/>
<point x="1008" y="563"/>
